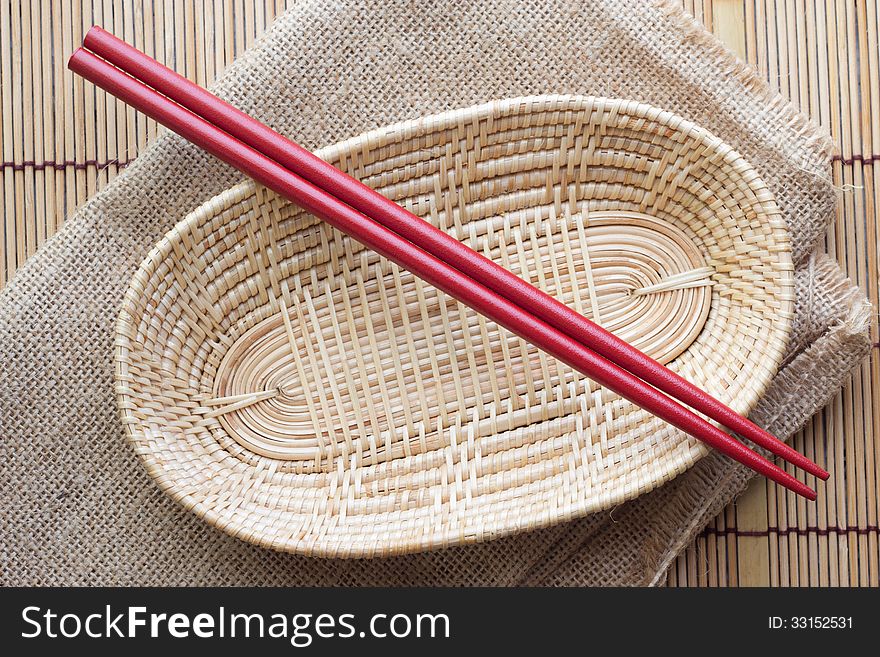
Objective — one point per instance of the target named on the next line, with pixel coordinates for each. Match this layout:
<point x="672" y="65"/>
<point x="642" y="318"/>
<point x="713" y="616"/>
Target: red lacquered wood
<point x="431" y="239"/>
<point x="424" y="265"/>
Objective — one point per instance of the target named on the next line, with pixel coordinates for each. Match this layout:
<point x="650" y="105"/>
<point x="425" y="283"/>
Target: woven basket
<point x="299" y="392"/>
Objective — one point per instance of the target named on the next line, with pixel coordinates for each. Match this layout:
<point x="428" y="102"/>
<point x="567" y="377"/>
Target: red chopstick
<point x="435" y="241"/>
<point x="434" y="271"/>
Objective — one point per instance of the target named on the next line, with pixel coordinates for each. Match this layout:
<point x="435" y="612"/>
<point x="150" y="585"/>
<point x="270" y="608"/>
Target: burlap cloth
<point x="75" y="505"/>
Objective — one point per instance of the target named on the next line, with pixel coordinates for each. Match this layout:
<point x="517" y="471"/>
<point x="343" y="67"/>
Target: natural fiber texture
<point x="77" y="506"/>
<point x="299" y="392"/>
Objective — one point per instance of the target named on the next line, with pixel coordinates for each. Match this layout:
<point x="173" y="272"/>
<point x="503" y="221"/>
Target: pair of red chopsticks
<point x="424" y="250"/>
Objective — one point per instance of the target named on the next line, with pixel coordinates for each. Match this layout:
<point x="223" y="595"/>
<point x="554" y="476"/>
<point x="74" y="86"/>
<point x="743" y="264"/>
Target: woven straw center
<point x="637" y="276"/>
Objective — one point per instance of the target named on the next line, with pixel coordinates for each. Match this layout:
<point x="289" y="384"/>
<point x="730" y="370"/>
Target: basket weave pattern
<point x="302" y="393"/>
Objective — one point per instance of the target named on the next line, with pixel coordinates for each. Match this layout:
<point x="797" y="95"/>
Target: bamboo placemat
<point x="61" y="142"/>
<point x="823" y="56"/>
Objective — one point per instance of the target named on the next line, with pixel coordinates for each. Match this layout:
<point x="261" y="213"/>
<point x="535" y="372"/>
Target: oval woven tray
<point x="299" y="392"/>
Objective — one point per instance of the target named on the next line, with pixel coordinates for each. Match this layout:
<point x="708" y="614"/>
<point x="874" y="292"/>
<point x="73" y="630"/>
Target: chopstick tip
<point x="791" y="483"/>
<point x="807" y="465"/>
<point x="804" y="491"/>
